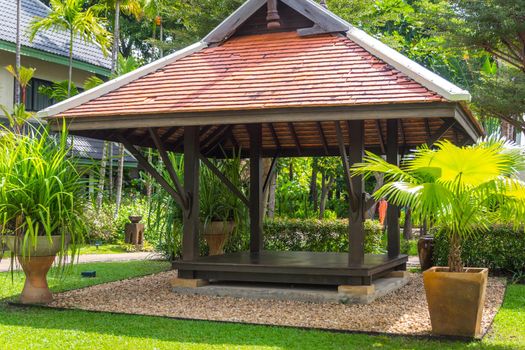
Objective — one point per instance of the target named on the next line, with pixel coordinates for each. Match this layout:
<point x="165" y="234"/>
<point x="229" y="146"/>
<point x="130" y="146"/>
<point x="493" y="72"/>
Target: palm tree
<point x="462" y="190"/>
<point x="23" y="76"/>
<point x="153" y="10"/>
<point x="18" y="63"/>
<point x="70" y="16"/>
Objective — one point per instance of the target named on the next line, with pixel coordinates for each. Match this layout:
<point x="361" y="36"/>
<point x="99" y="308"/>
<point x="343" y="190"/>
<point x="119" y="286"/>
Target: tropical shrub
<point x="501" y="249"/>
<point x="461" y="189"/>
<point x="42" y="191"/>
<point x="318" y="235"/>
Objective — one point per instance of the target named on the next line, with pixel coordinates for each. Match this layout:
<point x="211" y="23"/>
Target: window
<point x="34" y="100"/>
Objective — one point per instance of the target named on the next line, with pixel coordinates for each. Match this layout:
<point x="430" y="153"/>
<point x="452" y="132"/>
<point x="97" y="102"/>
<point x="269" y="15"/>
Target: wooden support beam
<point x="143" y="162"/>
<point x="346" y="166"/>
<point x="323" y="137"/>
<point x="256" y="189"/>
<point x="392" y="216"/>
<point x="273" y="165"/>
<point x="274" y="135"/>
<point x="191" y="220"/>
<point x="443" y="129"/>
<point x="403" y="136"/>
<point x="167" y="163"/>
<point x="356" y="229"/>
<point x="224" y="180"/>
<point x="380" y="135"/>
<point x="295" y="137"/>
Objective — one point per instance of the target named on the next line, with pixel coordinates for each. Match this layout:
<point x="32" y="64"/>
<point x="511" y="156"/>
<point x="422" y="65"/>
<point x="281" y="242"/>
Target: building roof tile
<point x="274" y="70"/>
<point x="55" y="42"/>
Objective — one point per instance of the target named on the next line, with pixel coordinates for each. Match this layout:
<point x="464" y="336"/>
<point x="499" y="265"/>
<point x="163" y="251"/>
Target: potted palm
<point x="462" y="190"/>
<point x="41" y="205"/>
<point x="220" y="209"/>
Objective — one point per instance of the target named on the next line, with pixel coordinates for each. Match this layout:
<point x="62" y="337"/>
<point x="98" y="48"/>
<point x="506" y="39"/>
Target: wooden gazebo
<point x="278" y="78"/>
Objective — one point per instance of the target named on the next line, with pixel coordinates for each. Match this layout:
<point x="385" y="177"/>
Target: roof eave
<point x="118" y="82"/>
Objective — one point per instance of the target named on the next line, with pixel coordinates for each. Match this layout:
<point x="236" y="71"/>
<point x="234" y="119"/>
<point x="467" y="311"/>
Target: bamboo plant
<point x="462" y="189"/>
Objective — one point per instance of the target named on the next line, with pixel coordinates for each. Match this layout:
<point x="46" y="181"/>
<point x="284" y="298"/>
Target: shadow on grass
<point x="149" y="332"/>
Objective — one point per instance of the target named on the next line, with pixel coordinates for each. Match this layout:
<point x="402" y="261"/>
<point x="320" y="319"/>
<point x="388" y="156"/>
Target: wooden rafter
<point x="295" y="137"/>
<point x="167" y="163"/>
<point x="323" y="137"/>
<point x="169" y="133"/>
<point x="213" y="136"/>
<point x="152" y="171"/>
<point x="218" y="139"/>
<point x="224" y="179"/>
<point x="443" y="129"/>
<point x="344" y="156"/>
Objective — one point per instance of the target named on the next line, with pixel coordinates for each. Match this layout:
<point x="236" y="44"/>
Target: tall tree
<point x="70" y="16"/>
<point x="498" y="28"/>
<point x="18" y="63"/>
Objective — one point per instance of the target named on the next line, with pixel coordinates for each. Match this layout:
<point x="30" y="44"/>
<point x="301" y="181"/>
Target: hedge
<point x="318" y="235"/>
<point x="502" y="250"/>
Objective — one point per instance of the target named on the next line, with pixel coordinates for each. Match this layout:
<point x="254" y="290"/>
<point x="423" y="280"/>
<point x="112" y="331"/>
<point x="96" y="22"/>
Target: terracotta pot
<point x="36" y="262"/>
<point x="216" y="233"/>
<point x="456" y="300"/>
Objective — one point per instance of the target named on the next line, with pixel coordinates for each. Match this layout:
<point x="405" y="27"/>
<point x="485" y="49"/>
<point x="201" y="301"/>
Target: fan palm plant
<point x="70" y="16"/>
<point x="460" y="189"/>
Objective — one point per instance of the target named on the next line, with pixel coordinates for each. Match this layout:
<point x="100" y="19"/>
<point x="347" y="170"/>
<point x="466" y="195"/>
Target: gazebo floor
<point x="290" y="267"/>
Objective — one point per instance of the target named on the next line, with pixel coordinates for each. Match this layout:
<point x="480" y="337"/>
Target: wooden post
<point x="191" y="221"/>
<point x="356" y="239"/>
<point x="392" y="216"/>
<point x="256" y="189"/>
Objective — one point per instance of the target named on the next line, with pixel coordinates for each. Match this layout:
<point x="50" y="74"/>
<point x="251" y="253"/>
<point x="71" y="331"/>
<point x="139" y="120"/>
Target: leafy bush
<point x="318" y="235"/>
<point x="502" y="250"/>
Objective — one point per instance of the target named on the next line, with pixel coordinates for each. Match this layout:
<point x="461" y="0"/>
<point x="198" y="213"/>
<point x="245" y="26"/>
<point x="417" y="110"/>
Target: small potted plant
<point x="41" y="205"/>
<point x="462" y="190"/>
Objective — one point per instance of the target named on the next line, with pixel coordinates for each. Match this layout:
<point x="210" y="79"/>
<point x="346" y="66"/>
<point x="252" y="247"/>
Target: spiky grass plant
<point x="461" y="189"/>
<point x="42" y="192"/>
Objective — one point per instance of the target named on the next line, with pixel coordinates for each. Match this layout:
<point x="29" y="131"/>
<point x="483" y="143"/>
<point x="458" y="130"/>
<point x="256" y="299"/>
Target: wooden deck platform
<point x="290" y="267"/>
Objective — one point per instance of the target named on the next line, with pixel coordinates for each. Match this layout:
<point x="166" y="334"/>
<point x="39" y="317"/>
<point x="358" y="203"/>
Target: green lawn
<point x="39" y="328"/>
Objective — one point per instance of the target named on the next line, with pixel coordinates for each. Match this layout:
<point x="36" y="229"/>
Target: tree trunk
<point x="102" y="177"/>
<point x="313" y="186"/>
<point x="120" y="179"/>
<point x="161" y="39"/>
<point x="454" y="256"/>
<point x="116" y="34"/>
<point x="507" y="131"/>
<point x="70" y="72"/>
<point x="290" y="174"/>
<point x="111" y="182"/>
<point x="407" y="227"/>
<point x="271" y="199"/>
<point x="325" y="189"/>
<point x="149" y="185"/>
<point x="267" y="163"/>
<point x="18" y="48"/>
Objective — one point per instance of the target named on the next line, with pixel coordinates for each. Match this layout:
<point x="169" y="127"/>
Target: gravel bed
<point x="401" y="312"/>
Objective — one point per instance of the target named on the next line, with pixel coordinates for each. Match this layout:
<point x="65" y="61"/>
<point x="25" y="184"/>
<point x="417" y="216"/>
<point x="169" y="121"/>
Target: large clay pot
<point x="456" y="300"/>
<point x="216" y="233"/>
<point x="36" y="262"/>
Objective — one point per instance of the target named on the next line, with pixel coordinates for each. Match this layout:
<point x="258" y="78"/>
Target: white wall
<point x="44" y="70"/>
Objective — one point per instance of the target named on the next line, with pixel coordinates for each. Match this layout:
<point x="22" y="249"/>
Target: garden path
<point x="89" y="258"/>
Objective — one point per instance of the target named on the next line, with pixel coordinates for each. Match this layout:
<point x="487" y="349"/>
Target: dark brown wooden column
<point x="356" y="227"/>
<point x="256" y="189"/>
<point x="392" y="216"/>
<point x="191" y="221"/>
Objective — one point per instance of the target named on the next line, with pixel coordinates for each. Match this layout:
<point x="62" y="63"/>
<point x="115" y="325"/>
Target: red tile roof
<point x="263" y="71"/>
